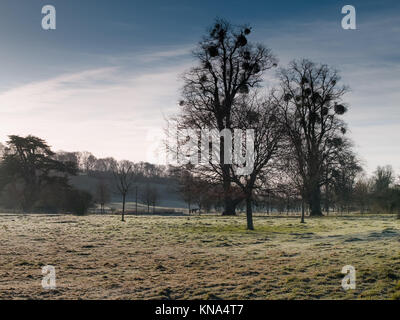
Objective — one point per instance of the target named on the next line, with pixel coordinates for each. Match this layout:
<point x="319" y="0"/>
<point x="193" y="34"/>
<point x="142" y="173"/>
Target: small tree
<point x="102" y="194"/>
<point x="362" y="194"/>
<point x="154" y="197"/>
<point x="148" y="197"/>
<point x="79" y="201"/>
<point x="342" y="178"/>
<point x="124" y="176"/>
<point x="258" y="114"/>
<point x="87" y="161"/>
<point x="187" y="188"/>
<point x="383" y="181"/>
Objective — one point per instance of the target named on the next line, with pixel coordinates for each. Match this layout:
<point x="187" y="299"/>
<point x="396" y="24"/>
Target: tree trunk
<point x="136" y="199"/>
<point x="315" y="201"/>
<point x="123" y="207"/>
<point x="249" y="213"/>
<point x="326" y="206"/>
<point x="229" y="205"/>
<point x="302" y="210"/>
<point x="230" y="208"/>
<point x="326" y="202"/>
<point x="287" y="206"/>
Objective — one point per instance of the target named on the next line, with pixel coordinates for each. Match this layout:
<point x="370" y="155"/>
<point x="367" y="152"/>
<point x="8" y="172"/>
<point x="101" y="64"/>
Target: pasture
<point x="206" y="257"/>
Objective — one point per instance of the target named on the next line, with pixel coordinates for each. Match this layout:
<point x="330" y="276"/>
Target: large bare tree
<point x="310" y="101"/>
<point x="228" y="66"/>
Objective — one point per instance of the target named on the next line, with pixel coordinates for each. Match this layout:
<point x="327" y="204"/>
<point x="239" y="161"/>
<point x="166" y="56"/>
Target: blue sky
<point x="105" y="79"/>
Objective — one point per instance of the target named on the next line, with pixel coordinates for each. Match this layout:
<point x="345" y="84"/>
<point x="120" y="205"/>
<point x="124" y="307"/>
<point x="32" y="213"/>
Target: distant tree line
<point x="348" y="193"/>
<point x="35" y="179"/>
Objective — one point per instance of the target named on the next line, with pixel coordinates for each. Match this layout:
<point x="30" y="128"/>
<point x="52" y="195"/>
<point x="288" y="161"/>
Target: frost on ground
<point x="153" y="257"/>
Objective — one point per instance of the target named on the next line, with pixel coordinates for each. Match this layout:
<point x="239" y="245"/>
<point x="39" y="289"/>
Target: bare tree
<point x="342" y="177"/>
<point x="149" y="196"/>
<point x="383" y="180"/>
<point x="102" y="194"/>
<point x="187" y="188"/>
<point x="310" y="101"/>
<point x="124" y="175"/>
<point x="288" y="179"/>
<point x="87" y="161"/>
<point x="260" y="115"/>
<point x="154" y="197"/>
<point x="104" y="164"/>
<point x="229" y="66"/>
<point x="362" y="193"/>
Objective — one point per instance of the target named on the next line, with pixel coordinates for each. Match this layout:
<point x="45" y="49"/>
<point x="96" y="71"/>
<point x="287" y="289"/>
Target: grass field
<point x="100" y="257"/>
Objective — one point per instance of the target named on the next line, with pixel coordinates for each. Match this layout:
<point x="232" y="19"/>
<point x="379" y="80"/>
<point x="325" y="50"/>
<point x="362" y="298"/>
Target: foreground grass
<point x="99" y="257"/>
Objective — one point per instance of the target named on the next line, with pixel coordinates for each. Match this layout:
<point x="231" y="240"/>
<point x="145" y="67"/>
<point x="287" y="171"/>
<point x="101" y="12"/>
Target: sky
<point x="106" y="79"/>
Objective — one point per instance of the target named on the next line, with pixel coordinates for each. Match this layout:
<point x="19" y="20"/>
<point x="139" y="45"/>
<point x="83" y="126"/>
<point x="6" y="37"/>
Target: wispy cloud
<point x="106" y="110"/>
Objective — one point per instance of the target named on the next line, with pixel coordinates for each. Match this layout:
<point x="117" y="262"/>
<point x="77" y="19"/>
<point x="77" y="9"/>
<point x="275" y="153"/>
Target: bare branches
<point x="124" y="174"/>
<point x="230" y="67"/>
<point x="310" y="103"/>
